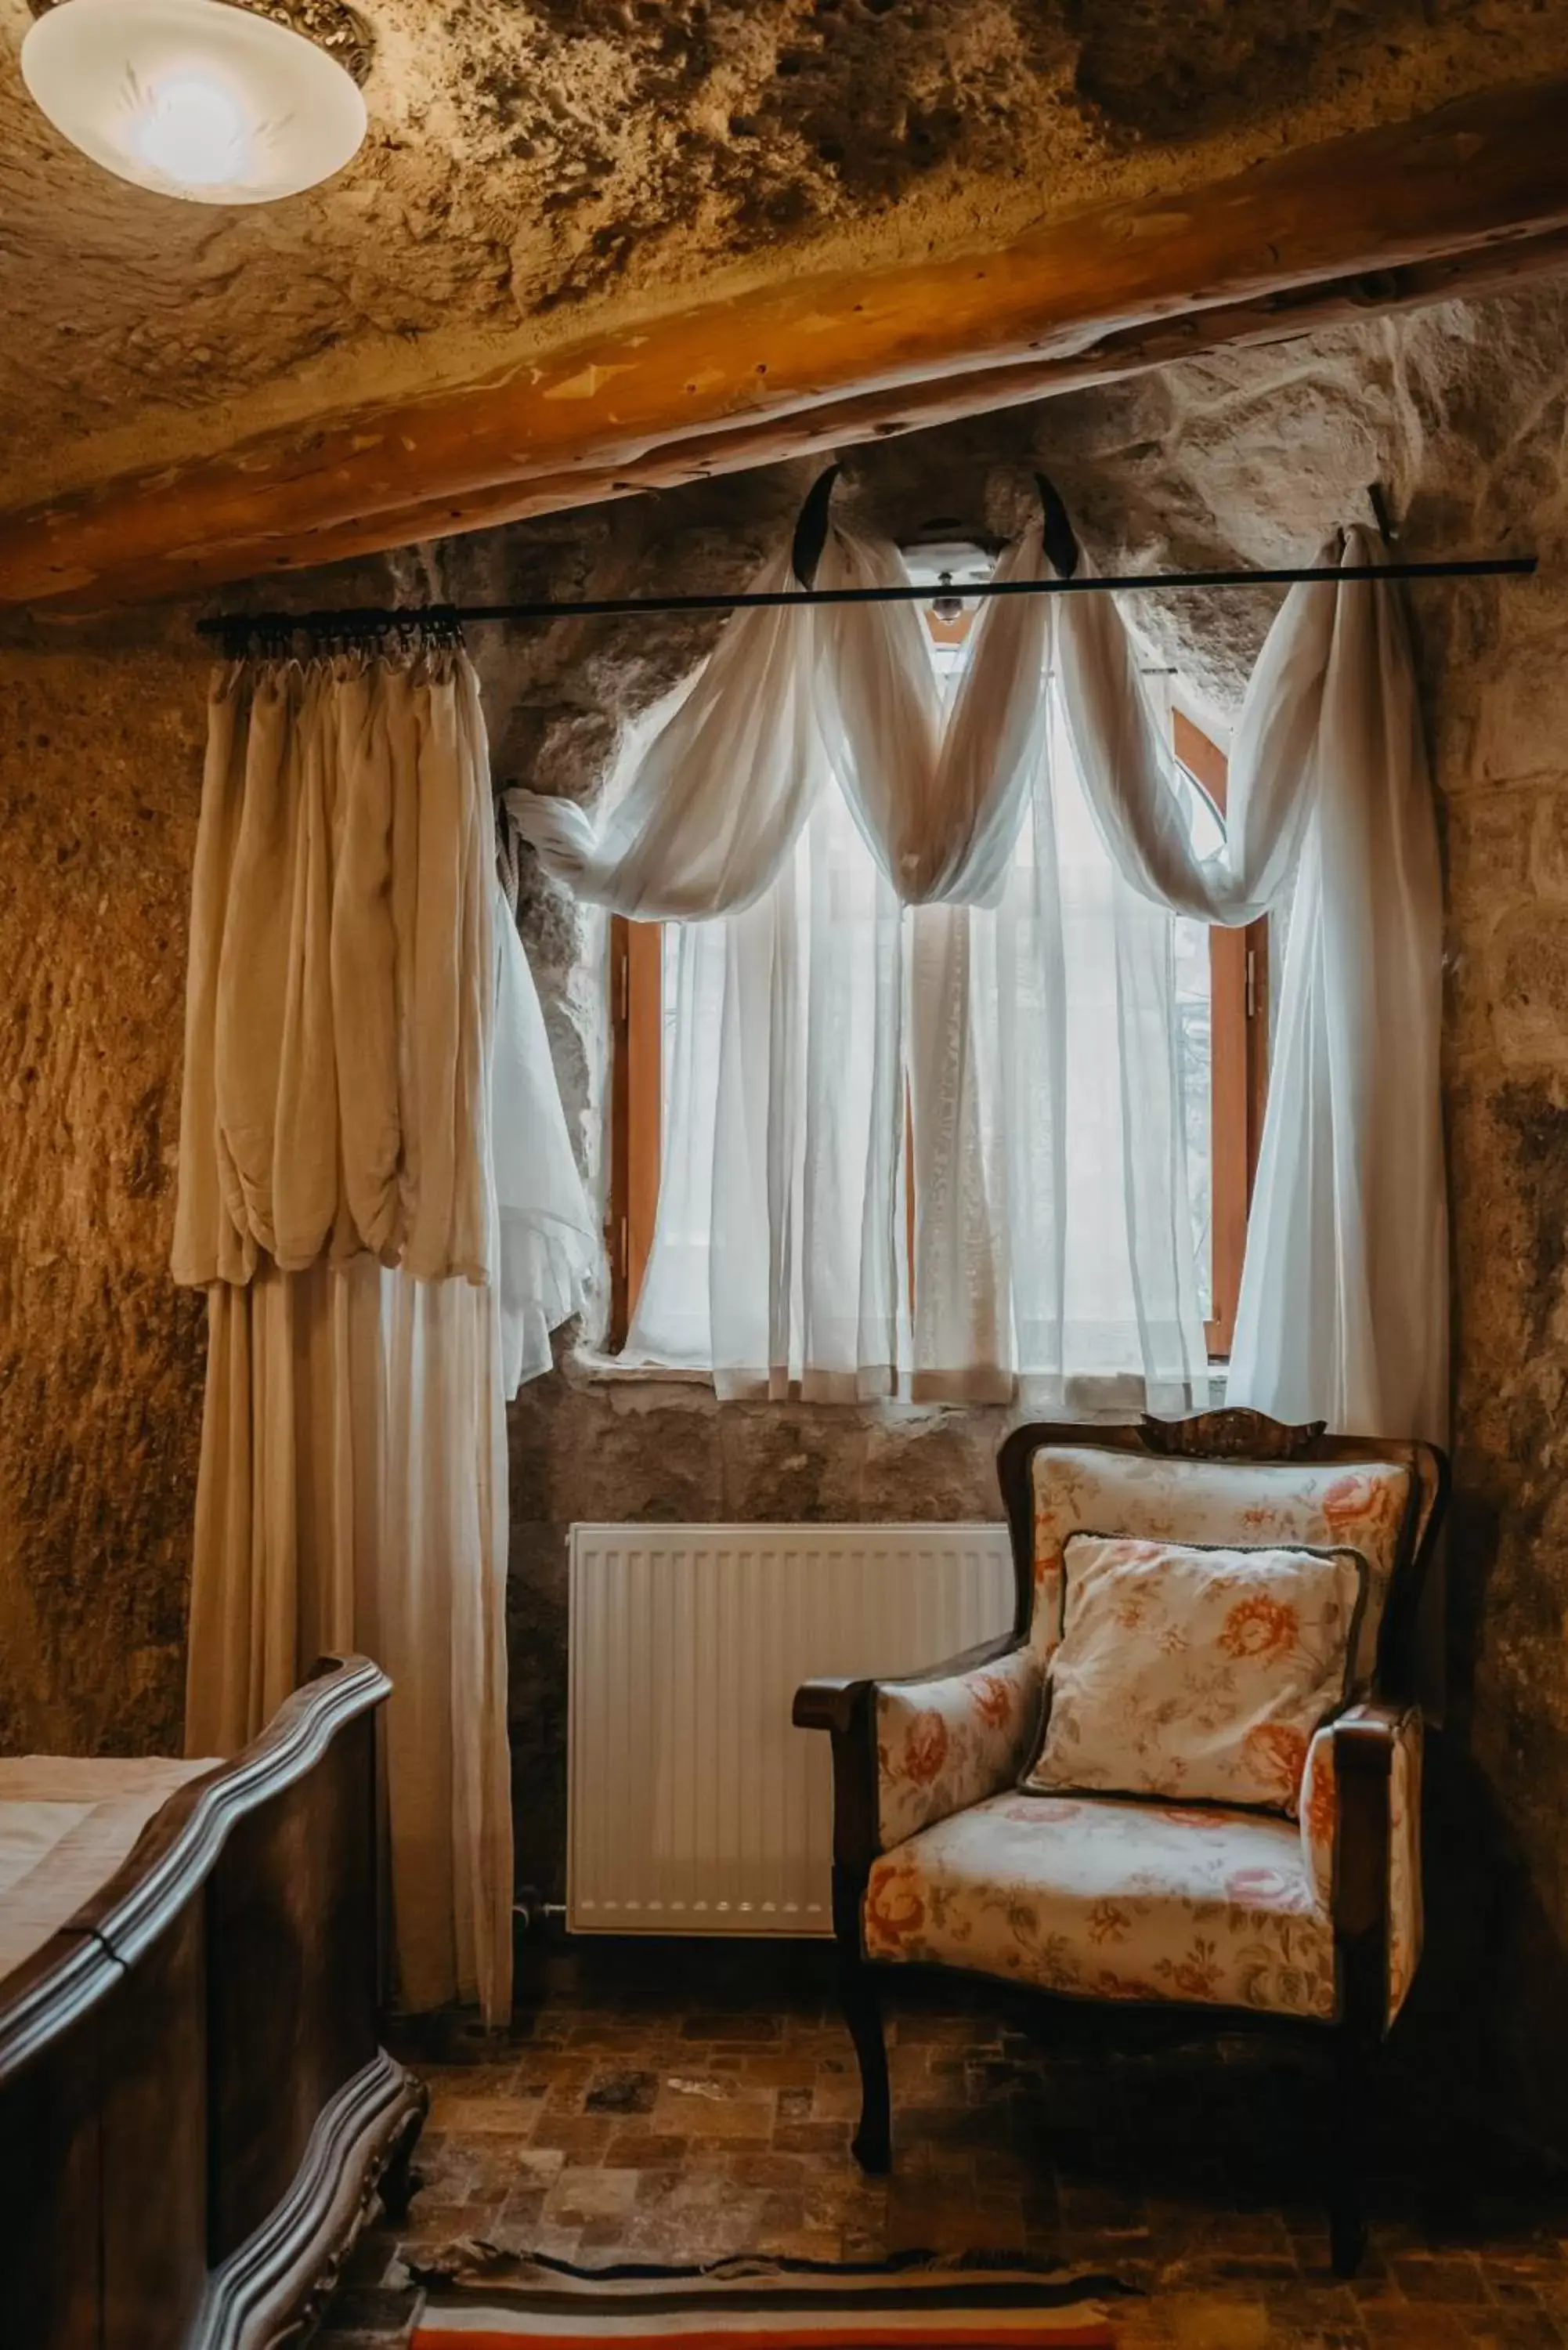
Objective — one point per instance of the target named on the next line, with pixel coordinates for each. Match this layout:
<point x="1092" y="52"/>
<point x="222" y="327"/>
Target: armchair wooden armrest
<point x="830" y="1705"/>
<point x="1366" y="1739"/>
<point x="846" y="1710"/>
<point x="1360" y="1835"/>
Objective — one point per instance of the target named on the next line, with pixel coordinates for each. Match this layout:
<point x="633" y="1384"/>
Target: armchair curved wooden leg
<point x="861" y="2001"/>
<point x="872" y="2145"/>
<point x="1350" y="2144"/>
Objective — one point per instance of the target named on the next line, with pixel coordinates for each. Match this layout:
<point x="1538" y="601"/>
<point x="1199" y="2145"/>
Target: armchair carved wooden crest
<point x="1300" y="1907"/>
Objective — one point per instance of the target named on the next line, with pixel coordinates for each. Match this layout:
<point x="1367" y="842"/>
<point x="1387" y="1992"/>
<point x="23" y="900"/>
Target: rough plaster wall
<point x="532" y="166"/>
<point x="99" y="1358"/>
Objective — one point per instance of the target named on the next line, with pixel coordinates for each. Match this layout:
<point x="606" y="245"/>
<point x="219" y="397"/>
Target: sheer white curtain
<point x="1344" y="1307"/>
<point x="959" y="963"/>
<point x="780" y="1256"/>
<point x="709" y="801"/>
<point x="895" y="994"/>
<point x="940" y="796"/>
<point x="1020" y="1041"/>
<point x="548" y="1239"/>
<point x="374" y="1290"/>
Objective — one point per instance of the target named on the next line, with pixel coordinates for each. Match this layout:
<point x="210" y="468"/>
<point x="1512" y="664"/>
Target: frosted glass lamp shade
<point x="193" y="98"/>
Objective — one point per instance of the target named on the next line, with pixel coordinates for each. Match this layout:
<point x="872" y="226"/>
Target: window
<point x="1220" y="980"/>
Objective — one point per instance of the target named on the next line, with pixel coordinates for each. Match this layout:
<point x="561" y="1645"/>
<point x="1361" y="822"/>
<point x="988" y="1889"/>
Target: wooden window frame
<point x="636" y="1111"/>
<point x="1238" y="1064"/>
<point x="1239" y="1033"/>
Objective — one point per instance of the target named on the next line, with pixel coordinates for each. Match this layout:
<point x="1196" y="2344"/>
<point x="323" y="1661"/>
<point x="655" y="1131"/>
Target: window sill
<point x="586" y="1366"/>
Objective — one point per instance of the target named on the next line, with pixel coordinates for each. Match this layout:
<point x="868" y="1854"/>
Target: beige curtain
<point x="337" y="1200"/>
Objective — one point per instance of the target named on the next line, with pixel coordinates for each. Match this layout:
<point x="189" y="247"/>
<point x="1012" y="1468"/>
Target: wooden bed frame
<point x="194" y="2107"/>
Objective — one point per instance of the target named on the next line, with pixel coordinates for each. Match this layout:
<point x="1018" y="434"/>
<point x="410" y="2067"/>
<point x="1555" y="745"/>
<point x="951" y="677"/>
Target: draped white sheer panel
<point x="548" y="1239"/>
<point x="355" y="992"/>
<point x="1342" y="1313"/>
<point x="701" y="815"/>
<point x="941" y="805"/>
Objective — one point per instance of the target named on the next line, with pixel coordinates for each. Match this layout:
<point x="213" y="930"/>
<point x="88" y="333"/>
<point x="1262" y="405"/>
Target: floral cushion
<point x="1200" y="1674"/>
<point x="1111" y="1900"/>
<point x="946" y="1743"/>
<point x="1320" y="1831"/>
<point x="1323" y="1505"/>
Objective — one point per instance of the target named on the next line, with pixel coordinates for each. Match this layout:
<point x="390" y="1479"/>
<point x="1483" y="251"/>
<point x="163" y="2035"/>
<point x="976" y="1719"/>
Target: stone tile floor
<point x="671" y="2105"/>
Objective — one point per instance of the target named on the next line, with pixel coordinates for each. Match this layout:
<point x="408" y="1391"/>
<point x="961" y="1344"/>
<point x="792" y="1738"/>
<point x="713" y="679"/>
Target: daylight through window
<point x="1082" y="968"/>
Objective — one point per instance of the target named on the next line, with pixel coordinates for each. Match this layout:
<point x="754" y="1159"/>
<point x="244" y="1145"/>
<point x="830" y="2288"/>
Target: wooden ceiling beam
<point x="840" y="424"/>
<point x="1461" y="200"/>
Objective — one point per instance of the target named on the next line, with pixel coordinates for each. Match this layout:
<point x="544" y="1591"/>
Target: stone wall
<point x="1464" y="415"/>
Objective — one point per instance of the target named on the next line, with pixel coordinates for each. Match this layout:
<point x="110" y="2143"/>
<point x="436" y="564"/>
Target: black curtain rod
<point x="350" y="621"/>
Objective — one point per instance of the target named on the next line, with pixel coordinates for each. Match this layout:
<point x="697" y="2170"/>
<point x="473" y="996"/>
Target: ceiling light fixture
<point x="219" y="101"/>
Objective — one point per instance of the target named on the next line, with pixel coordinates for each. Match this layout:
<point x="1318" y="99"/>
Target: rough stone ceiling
<point x="530" y="163"/>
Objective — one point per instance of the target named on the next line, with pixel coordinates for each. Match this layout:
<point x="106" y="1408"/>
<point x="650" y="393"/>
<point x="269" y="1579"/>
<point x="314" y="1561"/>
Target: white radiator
<point x="695" y="1806"/>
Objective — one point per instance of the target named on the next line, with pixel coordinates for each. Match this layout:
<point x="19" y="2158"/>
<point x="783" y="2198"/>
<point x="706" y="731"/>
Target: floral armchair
<point x="1310" y="1922"/>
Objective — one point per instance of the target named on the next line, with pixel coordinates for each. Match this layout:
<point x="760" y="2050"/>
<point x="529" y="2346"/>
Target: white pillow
<point x="1195" y="1673"/>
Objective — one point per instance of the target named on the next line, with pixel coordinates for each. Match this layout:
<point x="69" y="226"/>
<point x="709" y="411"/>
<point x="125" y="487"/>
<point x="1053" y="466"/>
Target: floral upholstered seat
<point x="1109" y="1900"/>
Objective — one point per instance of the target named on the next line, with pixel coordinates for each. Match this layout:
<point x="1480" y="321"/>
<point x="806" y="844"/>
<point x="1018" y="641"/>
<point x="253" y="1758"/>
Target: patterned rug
<point x="479" y="2299"/>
